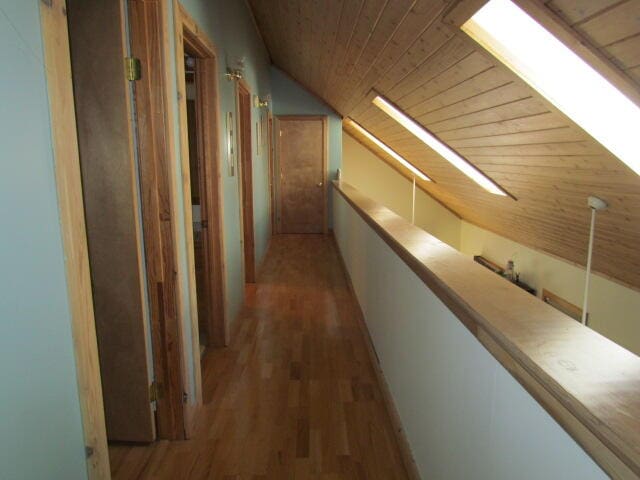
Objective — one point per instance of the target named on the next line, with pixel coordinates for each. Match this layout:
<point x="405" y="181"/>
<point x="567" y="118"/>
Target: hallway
<point x="294" y="395"/>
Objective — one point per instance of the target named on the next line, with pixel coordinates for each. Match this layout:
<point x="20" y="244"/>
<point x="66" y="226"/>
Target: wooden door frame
<point x="325" y="174"/>
<point x="57" y="57"/>
<point x="245" y="156"/>
<point x="190" y="36"/>
<point x="272" y="174"/>
<point x="148" y="24"/>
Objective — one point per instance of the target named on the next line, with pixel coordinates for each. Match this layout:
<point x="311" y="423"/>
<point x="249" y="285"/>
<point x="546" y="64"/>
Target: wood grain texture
<point x="563" y="305"/>
<point x="403" y="442"/>
<point x="590" y="385"/>
<point x="210" y="282"/>
<point x="612" y="27"/>
<point x="272" y="175"/>
<point x="295" y="395"/>
<point x="96" y="29"/>
<point x="245" y="141"/>
<point x="57" y="63"/>
<point x="156" y="156"/>
<point x="341" y="50"/>
<point x="302" y="174"/>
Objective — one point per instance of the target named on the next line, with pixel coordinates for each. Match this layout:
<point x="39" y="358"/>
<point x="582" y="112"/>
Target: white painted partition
<point x="464" y="415"/>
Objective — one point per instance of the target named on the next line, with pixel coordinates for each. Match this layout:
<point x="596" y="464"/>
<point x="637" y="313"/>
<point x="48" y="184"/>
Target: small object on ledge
<point x="510" y="271"/>
<point x="500" y="271"/>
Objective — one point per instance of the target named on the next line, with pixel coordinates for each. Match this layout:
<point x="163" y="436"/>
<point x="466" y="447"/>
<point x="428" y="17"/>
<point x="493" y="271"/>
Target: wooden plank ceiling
<point x="342" y="49"/>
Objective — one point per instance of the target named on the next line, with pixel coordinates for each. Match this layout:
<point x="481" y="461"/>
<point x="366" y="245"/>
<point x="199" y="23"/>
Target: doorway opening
<point x="199" y="220"/>
<point x="203" y="194"/>
<point x="246" y="181"/>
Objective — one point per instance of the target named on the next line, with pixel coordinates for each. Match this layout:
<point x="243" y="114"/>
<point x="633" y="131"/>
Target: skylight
<point x="388" y="150"/>
<point x="452" y="157"/>
<point x="561" y="76"/>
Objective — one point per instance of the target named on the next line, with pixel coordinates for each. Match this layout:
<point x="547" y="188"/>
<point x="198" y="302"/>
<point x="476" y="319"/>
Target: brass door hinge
<point x="155" y="391"/>
<point x="133" y="68"/>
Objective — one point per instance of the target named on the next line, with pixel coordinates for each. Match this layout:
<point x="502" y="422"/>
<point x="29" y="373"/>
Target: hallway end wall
<point x="291" y="98"/>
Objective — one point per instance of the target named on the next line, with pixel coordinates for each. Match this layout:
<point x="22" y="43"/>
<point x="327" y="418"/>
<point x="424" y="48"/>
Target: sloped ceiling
<point x="342" y="49"/>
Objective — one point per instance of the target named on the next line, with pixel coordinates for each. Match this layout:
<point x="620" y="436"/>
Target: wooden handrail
<point x="587" y="383"/>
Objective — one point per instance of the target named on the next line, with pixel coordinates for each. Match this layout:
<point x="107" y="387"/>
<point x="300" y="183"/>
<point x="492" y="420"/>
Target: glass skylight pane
<point x="390" y="151"/>
<point x="433" y="142"/>
<point x="562" y="77"/>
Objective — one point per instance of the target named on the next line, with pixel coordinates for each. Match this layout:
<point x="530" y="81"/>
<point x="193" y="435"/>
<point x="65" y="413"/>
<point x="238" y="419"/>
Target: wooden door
<point x="105" y="139"/>
<point x="302" y="147"/>
<point x="246" y="174"/>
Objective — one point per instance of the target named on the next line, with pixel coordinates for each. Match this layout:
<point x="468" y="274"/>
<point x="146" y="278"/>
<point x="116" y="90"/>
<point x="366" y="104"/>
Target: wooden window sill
<point x="589" y="384"/>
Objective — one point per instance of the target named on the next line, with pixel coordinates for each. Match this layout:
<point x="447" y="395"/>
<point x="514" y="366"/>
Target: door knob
<point x="320" y="184"/>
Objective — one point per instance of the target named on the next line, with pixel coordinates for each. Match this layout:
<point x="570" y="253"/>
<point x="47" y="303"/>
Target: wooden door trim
<point x="57" y="57"/>
<point x="325" y="173"/>
<point x="245" y="145"/>
<point x="272" y="173"/>
<point x="188" y="33"/>
<point x="160" y="213"/>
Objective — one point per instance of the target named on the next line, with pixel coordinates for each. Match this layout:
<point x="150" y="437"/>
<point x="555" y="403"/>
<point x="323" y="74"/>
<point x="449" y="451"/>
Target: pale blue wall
<point x="40" y="425"/>
<point x="290" y="98"/>
<point x="229" y="26"/>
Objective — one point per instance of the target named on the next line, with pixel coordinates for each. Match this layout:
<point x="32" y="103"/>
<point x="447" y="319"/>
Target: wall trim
<point x="57" y="57"/>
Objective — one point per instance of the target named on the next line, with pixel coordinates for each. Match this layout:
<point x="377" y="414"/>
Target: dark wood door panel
<point x="302" y="167"/>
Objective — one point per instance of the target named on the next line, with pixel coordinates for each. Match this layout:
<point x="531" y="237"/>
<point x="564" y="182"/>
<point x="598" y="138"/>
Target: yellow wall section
<point x="614" y="310"/>
<point x="372" y="176"/>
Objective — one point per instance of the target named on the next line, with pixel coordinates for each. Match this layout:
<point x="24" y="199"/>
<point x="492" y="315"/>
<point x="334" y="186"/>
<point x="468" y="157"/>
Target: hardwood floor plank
<point x="294" y="396"/>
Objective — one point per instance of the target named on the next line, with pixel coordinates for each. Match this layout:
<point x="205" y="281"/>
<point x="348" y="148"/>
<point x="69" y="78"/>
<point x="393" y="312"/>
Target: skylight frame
<point x="440" y="147"/>
<point x="596" y="88"/>
<point x="391" y="152"/>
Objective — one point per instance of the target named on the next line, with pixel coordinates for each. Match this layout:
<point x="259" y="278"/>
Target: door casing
<point x="192" y="38"/>
<point x="148" y="21"/>
<point x="246" y="178"/>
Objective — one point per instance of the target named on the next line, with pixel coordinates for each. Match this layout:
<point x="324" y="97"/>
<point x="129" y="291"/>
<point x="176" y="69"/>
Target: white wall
<point x="464" y="415"/>
<point x="375" y="178"/>
<point x="614" y="310"/>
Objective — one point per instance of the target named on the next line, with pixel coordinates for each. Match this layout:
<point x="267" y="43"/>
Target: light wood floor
<point x="294" y="396"/>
